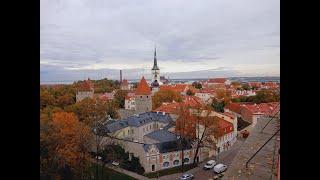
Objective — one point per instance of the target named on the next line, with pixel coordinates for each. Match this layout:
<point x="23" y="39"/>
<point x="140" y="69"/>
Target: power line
<point x="261" y="148"/>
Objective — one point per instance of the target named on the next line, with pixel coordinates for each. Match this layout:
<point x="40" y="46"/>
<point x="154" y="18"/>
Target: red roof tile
<point x="190" y="101"/>
<point x="143" y="87"/>
<point x="234" y="107"/>
<point x="87" y="85"/>
<point x="224" y="127"/>
<point x="263" y="108"/>
<point x="176" y="87"/>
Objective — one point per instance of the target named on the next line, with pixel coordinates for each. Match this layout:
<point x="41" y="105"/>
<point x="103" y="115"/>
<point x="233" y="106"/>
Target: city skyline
<point x="80" y="39"/>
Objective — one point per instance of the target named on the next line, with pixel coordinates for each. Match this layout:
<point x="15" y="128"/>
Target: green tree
<point x="245" y="86"/>
<point x="218" y="105"/>
<point x="197" y="85"/>
<point x="190" y="92"/>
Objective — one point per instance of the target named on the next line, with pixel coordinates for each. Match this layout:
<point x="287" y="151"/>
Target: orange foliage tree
<point x="165" y="96"/>
<point x="91" y="110"/>
<point x="65" y="143"/>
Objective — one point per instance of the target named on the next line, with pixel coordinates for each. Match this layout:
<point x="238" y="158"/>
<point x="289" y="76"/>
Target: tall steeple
<point x="155" y="64"/>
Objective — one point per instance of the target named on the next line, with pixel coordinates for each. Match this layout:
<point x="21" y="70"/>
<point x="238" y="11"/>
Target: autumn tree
<point x="265" y="95"/>
<point x="46" y="98"/>
<point x="165" y="96"/>
<point x="64" y="145"/>
<point x="202" y="123"/>
<point x="119" y="97"/>
<point x="91" y="110"/>
<point x="185" y="127"/>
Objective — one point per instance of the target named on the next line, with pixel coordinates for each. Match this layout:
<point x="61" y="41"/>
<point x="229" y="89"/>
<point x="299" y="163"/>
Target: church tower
<point x="155" y="71"/>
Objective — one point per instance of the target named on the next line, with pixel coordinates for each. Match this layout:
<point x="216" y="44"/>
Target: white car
<point x="98" y="157"/>
<point x="210" y="164"/>
<point x="186" y="176"/>
<point x="219" y="168"/>
<point x="115" y="163"/>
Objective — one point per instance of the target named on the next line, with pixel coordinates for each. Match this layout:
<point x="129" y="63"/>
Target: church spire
<point x="155" y="64"/>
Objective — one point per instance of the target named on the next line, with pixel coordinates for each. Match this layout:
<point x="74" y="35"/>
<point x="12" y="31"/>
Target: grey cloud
<point x="84" y="32"/>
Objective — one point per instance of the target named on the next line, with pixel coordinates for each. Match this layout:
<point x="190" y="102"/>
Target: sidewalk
<point x="123" y="171"/>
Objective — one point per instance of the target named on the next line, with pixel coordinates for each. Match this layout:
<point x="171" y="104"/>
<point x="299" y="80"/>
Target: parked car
<point x="219" y="168"/>
<point x="186" y="176"/>
<point x="209" y="165"/>
<point x="99" y="157"/>
<point x="115" y="163"/>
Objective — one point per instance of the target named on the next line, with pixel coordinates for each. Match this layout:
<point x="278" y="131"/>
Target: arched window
<point x="166" y="164"/>
<point x="186" y="160"/>
<point x="176" y="162"/>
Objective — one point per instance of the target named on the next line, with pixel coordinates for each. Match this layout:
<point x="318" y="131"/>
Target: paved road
<point x="225" y="157"/>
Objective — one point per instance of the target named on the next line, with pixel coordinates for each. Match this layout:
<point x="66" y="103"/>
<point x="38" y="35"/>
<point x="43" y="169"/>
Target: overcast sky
<point x="239" y="36"/>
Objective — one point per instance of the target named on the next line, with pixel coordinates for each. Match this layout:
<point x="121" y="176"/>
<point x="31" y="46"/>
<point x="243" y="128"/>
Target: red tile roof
<point x="87" y="85"/>
<point x="143" y="87"/>
<point x="189" y="101"/>
<point x="234" y="107"/>
<point x="222" y="127"/>
<point x="107" y="95"/>
<point x="179" y="88"/>
<point x="130" y="95"/>
<point x="255" y="84"/>
<point x="263" y="108"/>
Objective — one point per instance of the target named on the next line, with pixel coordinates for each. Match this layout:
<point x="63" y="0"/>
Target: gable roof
<point x="179" y="88"/>
<point x="162" y="136"/>
<point x="262" y="108"/>
<point x="188" y="101"/>
<point x="234" y="107"/>
<point x="143" y="87"/>
<point x="137" y="120"/>
<point x="86" y="85"/>
<point x="170" y="146"/>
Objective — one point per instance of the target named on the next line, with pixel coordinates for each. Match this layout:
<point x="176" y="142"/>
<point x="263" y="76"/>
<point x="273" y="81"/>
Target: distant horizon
<point x="148" y="79"/>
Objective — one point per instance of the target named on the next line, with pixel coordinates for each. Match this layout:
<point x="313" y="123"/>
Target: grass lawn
<point x="173" y="170"/>
<point x="107" y="174"/>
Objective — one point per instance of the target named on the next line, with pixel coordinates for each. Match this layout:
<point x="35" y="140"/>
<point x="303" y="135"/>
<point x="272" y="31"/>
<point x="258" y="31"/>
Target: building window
<point x="153" y="167"/>
<point x="128" y="131"/>
<point x="131" y="131"/>
<point x="176" y="162"/>
<point x="186" y="160"/>
<point x="141" y="97"/>
<point x="147" y="96"/>
<point x="166" y="164"/>
<point x="165" y="156"/>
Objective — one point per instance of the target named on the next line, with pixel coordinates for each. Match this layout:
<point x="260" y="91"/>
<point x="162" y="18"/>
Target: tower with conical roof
<point x="155" y="71"/>
<point x="143" y="100"/>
